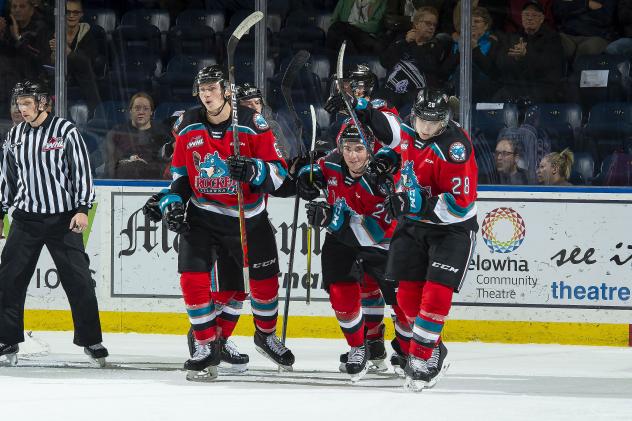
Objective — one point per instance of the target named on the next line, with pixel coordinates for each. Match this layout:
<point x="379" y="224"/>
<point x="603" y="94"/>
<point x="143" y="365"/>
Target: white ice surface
<point x="484" y="382"/>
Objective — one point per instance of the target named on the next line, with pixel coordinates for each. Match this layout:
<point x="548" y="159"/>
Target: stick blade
<point x="312" y="111"/>
<point x="340" y="61"/>
<point x="248" y="22"/>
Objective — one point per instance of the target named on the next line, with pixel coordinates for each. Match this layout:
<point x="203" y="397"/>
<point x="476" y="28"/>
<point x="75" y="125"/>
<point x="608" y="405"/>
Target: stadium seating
<point x="584" y="167"/>
<point x="617" y="79"/>
<point x="609" y="125"/>
<point x="489" y="121"/>
<point x="560" y="122"/>
<point x="175" y="84"/>
<point x="78" y="113"/>
<point x="105" y="18"/>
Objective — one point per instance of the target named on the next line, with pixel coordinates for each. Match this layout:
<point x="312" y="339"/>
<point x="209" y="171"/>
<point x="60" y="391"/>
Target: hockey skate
<point x="418" y="374"/>
<point x="375" y="365"/>
<point x="437" y="364"/>
<point x="273" y="349"/>
<point x="357" y="362"/>
<point x="230" y="357"/>
<point x="97" y="354"/>
<point x="10" y="353"/>
<point x="202" y="366"/>
<point x="398" y="358"/>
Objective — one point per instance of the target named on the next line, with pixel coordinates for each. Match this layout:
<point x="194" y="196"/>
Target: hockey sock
<point x="372" y="308"/>
<point x="264" y="300"/>
<point x="200" y="308"/>
<point x="436" y="301"/>
<point x="228" y="305"/>
<point x="345" y="300"/>
<point x="403" y="330"/>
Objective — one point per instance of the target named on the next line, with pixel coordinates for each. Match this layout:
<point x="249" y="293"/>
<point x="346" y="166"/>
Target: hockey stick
<point x="293" y="68"/>
<point x="241" y="29"/>
<point x="292" y="71"/>
<point x="309" y="227"/>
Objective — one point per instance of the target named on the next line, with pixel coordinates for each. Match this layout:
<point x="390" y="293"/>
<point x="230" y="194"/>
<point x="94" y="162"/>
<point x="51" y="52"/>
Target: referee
<point x="46" y="177"/>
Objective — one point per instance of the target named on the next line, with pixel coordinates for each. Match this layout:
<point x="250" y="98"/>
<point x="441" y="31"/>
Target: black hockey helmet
<point x="361" y="76"/>
<point x="432" y="105"/>
<point x="248" y="91"/>
<point x="351" y="134"/>
<point x="209" y="74"/>
<point x="31" y="89"/>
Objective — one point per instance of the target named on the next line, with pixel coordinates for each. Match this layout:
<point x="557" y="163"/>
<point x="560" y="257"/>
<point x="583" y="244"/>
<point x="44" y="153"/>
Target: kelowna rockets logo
<point x="409" y="178"/>
<point x="213" y="175"/>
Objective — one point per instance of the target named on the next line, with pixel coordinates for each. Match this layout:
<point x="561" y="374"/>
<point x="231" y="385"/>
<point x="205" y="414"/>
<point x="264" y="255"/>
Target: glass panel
<point x="548" y="107"/>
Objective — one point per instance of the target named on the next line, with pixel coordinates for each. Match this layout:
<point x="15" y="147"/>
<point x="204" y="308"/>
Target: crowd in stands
<point x="551" y="87"/>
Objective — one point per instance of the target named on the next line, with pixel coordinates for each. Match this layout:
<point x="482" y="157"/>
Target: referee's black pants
<point x="28" y="234"/>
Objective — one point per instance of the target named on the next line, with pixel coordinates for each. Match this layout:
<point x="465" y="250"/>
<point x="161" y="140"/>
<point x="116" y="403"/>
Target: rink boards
<point x="549" y="267"/>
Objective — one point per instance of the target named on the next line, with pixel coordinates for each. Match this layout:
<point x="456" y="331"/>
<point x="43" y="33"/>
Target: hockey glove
<point x="404" y="203"/>
<point x="174" y="217"/>
<point x="248" y="170"/>
<point x="152" y="207"/>
<point x="319" y="214"/>
<point x="305" y="189"/>
<point x="336" y="103"/>
<point x="386" y="161"/>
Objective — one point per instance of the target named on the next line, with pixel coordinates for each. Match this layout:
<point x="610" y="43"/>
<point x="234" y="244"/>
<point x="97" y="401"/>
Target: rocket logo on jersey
<point x="409" y="178"/>
<point x="457" y="152"/>
<point x="213" y="174"/>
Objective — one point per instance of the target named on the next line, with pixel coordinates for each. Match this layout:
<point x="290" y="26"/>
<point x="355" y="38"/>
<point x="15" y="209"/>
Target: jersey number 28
<point x="460" y="185"/>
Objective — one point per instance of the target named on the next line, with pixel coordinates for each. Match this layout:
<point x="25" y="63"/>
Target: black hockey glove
<point x="319" y="214"/>
<point x="152" y="208"/>
<point x="408" y="202"/>
<point x="173" y="218"/>
<point x="336" y="103"/>
<point x="294" y="165"/>
<point x="397" y="204"/>
<point x="249" y="170"/>
<point x="305" y="189"/>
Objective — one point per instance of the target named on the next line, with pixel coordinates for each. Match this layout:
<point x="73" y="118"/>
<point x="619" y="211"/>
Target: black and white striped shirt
<point x="46" y="169"/>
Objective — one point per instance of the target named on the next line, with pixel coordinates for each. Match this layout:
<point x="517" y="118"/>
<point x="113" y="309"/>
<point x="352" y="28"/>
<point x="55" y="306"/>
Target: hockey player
<point x="250" y="96"/>
<point x="355" y="250"/>
<point x="435" y="236"/>
<point x="201" y="206"/>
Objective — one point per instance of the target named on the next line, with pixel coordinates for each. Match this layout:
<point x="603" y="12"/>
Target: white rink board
<point x="134" y="261"/>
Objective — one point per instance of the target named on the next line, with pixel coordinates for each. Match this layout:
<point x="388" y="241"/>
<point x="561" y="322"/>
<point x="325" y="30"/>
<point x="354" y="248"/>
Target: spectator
<point x="514" y="16"/>
<point x="555" y="168"/>
<point x="359" y="22"/>
<point x="81" y="50"/>
<point x="132" y="149"/>
<point x="417" y="59"/>
<point x="506" y="156"/>
<point x="496" y="8"/>
<point x="23" y="38"/>
<point x="250" y="96"/>
<point x="623" y="46"/>
<point x="531" y="63"/>
<point x="16" y="115"/>
<point x="585" y="26"/>
<point x="22" y="49"/>
<point x="484" y="55"/>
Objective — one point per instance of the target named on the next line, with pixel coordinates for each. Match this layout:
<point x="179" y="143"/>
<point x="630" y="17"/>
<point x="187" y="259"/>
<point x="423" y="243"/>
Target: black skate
<point x="377" y="352"/>
<point x="398" y="358"/>
<point x="230" y="357"/>
<point x="376" y="365"/>
<point x="97" y="354"/>
<point x="202" y="366"/>
<point x="357" y="362"/>
<point x="10" y="352"/>
<point x="437" y="364"/>
<point x="418" y="374"/>
<point x="271" y="347"/>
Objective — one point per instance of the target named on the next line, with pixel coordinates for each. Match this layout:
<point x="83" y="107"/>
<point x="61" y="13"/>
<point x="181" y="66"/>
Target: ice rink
<point x="53" y="381"/>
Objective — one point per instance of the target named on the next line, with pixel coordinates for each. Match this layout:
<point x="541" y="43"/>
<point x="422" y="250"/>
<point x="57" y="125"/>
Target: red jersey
<point x="366" y="223"/>
<point x="201" y="174"/>
<point x="445" y="174"/>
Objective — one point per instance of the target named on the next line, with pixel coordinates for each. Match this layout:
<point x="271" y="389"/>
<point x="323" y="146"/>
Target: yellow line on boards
<point x="327" y="327"/>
